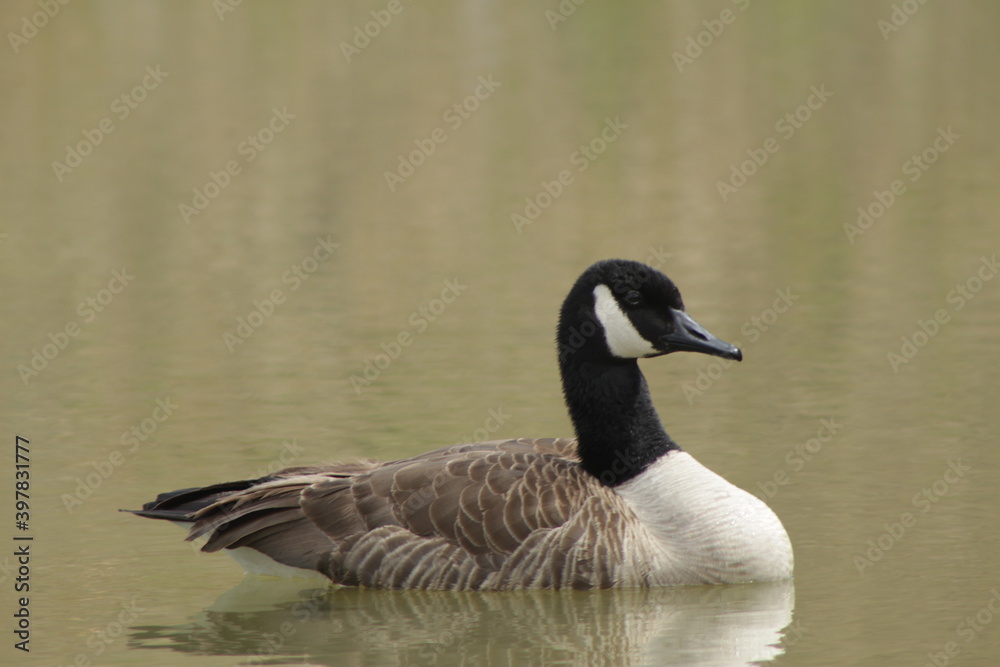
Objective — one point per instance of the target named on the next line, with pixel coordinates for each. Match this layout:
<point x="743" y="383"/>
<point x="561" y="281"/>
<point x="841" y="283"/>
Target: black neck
<point x="618" y="431"/>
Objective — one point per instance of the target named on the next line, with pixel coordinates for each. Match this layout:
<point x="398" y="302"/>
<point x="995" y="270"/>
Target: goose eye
<point x="633" y="298"/>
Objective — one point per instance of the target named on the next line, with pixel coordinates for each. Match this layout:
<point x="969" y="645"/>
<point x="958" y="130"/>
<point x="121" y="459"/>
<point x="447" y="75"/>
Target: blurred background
<point x="237" y="236"/>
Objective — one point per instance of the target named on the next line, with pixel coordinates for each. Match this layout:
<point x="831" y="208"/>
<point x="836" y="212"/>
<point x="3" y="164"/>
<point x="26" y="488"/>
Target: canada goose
<point x="620" y="505"/>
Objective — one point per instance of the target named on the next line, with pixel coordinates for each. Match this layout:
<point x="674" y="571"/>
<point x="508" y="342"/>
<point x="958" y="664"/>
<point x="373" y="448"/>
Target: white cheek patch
<point x="623" y="339"/>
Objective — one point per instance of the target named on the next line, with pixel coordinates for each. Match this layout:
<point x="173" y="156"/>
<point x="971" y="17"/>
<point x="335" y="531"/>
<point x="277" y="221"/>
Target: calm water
<point x="232" y="241"/>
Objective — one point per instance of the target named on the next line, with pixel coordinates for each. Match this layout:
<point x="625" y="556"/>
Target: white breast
<point x="704" y="529"/>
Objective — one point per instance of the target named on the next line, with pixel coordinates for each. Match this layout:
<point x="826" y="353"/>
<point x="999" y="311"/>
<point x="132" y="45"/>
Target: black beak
<point x="690" y="336"/>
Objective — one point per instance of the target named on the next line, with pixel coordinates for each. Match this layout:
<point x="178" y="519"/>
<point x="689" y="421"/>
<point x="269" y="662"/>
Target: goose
<point x="619" y="505"/>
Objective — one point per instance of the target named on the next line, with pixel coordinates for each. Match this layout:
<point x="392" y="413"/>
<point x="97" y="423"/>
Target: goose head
<point x="624" y="310"/>
<point x="620" y="311"/>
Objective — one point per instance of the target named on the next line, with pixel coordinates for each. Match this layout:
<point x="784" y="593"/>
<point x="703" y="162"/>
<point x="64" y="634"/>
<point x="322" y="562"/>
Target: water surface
<point x="241" y="274"/>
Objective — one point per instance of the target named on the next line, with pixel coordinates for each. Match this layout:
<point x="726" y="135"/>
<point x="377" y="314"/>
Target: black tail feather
<point x="183" y="504"/>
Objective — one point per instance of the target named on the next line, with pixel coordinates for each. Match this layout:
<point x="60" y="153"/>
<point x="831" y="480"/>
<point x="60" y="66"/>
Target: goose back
<point x="492" y="515"/>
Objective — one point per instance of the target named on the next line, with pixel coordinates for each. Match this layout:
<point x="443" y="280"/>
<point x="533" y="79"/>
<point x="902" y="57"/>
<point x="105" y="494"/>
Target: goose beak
<point x="690" y="336"/>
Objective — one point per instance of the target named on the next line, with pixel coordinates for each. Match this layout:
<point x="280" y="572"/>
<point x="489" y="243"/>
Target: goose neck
<point x="618" y="431"/>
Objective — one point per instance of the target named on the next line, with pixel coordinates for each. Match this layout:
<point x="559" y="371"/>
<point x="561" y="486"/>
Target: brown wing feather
<point x="513" y="513"/>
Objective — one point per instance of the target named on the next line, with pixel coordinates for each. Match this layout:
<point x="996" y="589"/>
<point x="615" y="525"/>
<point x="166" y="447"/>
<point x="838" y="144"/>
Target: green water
<point x="236" y="237"/>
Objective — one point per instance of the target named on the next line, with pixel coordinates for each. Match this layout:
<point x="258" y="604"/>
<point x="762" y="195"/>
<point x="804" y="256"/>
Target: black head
<point x="620" y="309"/>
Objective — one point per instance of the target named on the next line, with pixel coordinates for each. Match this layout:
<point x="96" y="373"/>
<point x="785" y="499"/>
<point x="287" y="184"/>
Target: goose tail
<point x="182" y="505"/>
